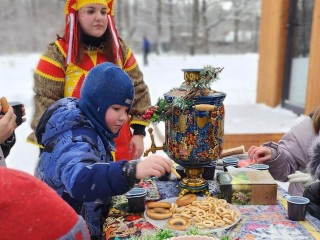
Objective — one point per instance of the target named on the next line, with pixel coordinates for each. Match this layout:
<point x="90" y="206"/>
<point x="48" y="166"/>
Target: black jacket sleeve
<point x="8" y="144"/>
<point x="312" y="192"/>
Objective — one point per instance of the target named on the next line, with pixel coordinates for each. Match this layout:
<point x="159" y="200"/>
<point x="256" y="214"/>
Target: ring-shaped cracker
<point x="180" y="224"/>
<point x="186" y="199"/>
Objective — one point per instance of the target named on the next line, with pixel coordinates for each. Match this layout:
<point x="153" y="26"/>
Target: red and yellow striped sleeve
<point x="50" y="69"/>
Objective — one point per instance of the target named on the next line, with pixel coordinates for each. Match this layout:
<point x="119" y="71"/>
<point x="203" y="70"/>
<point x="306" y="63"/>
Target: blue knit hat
<point x="106" y="84"/>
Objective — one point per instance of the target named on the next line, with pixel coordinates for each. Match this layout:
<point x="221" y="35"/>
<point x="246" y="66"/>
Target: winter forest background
<point x="183" y="33"/>
<point x="179" y="26"/>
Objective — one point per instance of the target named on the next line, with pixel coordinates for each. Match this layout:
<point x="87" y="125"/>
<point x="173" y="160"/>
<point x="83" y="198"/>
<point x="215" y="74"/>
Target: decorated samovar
<point x="194" y="125"/>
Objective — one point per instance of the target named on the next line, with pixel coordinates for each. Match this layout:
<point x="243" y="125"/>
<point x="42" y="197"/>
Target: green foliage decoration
<point x="208" y="75"/>
<point x="162" y="110"/>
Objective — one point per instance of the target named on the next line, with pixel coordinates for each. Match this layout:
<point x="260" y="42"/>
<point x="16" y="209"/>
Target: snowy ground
<point x="238" y="80"/>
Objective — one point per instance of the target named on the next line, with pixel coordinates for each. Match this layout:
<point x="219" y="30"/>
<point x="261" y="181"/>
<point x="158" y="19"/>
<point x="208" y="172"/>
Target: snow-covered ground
<point x="238" y="80"/>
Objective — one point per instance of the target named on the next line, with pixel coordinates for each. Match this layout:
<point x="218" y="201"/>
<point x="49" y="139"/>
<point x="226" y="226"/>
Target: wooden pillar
<point x="313" y="85"/>
<point x="272" y="49"/>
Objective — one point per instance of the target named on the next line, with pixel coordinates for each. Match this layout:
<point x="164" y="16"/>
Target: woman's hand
<point x="259" y="154"/>
<point x="136" y="146"/>
<point x="7" y="124"/>
<point x="153" y="165"/>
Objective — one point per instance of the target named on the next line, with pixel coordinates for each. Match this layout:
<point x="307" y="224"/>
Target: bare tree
<point x="171" y="26"/>
<point x="159" y="27"/>
<point x="195" y="24"/>
<point x="205" y="23"/>
<point x="188" y="26"/>
<point x="119" y="18"/>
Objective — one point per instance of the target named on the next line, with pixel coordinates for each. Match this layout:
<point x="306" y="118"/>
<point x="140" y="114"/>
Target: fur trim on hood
<point x="314" y="164"/>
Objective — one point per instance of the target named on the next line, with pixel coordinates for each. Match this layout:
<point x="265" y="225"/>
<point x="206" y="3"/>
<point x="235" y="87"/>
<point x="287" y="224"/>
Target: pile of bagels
<point x="205" y="213"/>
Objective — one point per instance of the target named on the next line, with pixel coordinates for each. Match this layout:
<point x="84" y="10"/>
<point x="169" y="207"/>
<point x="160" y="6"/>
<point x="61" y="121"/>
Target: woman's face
<point x="115" y="117"/>
<point x="93" y="19"/>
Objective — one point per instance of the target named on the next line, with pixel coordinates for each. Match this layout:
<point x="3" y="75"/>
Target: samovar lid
<point x="196" y="85"/>
<point x="191" y="74"/>
<point x="191" y="70"/>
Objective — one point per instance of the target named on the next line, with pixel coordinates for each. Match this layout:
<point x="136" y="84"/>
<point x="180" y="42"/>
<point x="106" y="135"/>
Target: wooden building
<point x="289" y="61"/>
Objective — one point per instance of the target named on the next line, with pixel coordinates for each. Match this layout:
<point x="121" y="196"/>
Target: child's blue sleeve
<point x="99" y="181"/>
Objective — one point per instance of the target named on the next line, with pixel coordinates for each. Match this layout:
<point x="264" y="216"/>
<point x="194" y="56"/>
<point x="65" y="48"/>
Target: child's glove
<point x="305" y="178"/>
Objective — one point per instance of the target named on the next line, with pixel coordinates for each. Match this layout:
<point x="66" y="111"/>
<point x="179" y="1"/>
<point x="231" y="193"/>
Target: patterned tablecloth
<point x="257" y="222"/>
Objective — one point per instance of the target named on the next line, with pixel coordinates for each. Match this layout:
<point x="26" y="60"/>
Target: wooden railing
<point x="248" y="140"/>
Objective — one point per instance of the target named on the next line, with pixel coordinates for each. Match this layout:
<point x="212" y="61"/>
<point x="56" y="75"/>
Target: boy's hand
<point x="153" y="165"/>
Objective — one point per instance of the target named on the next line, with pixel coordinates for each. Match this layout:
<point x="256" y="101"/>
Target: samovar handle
<point x="204" y="107"/>
<point x="153" y="147"/>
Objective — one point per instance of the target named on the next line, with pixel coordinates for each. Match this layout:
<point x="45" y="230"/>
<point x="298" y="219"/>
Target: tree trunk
<point x="171" y="26"/>
<point x="159" y="27"/>
<point x="133" y="19"/>
<point x="127" y="19"/>
<point x="236" y="30"/>
<point x="119" y="18"/>
<point x="195" y="21"/>
<point x="205" y="29"/>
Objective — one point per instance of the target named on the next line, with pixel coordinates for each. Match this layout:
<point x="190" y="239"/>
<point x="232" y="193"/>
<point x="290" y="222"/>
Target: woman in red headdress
<point x="90" y="38"/>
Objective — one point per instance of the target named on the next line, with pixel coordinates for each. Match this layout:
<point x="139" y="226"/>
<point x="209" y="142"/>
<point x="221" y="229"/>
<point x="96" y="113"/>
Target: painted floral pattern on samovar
<point x="194" y="118"/>
<point x="194" y="125"/>
<point x="194" y="136"/>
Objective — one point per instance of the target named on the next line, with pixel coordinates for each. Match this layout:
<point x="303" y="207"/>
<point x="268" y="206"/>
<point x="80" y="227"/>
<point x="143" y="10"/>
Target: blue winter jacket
<point x="77" y="163"/>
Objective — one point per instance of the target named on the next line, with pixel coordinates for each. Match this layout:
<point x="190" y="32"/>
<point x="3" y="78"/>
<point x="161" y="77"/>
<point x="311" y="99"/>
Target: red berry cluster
<point x="148" y="114"/>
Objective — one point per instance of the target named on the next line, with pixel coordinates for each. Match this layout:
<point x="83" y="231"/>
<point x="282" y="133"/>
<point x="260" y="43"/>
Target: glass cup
<point x="297" y="207"/>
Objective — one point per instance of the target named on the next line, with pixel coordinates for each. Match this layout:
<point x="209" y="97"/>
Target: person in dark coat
<point x="8" y="124"/>
<point x="313" y="191"/>
<point x="78" y="139"/>
<point x="146" y="50"/>
<point x="7" y="136"/>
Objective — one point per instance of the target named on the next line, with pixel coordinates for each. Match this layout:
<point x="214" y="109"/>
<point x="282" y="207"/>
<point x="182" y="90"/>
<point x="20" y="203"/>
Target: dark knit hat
<point x="106" y="84"/>
<point x="30" y="209"/>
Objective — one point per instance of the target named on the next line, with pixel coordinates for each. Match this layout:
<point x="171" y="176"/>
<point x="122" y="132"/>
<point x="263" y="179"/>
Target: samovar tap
<point x="153" y="147"/>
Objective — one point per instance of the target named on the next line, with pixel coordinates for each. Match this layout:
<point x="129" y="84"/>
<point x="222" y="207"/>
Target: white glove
<point x="299" y="177"/>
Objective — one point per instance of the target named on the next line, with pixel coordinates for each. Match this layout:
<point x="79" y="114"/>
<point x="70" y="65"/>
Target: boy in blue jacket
<point x="78" y="139"/>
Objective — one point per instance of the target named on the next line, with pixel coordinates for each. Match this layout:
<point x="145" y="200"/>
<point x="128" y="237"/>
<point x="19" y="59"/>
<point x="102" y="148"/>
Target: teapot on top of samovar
<point x="194" y="125"/>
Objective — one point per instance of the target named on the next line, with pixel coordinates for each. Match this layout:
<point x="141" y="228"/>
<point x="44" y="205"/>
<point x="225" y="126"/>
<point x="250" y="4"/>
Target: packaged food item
<point x="248" y="187"/>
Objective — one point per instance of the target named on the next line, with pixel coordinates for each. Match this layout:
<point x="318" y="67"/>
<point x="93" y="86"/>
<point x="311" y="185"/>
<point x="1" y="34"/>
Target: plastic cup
<point x="165" y="177"/>
<point x="209" y="170"/>
<point x="17" y="108"/>
<point x="136" y="200"/>
<point x="297" y="207"/>
<point x="230" y="161"/>
<point x="181" y="172"/>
